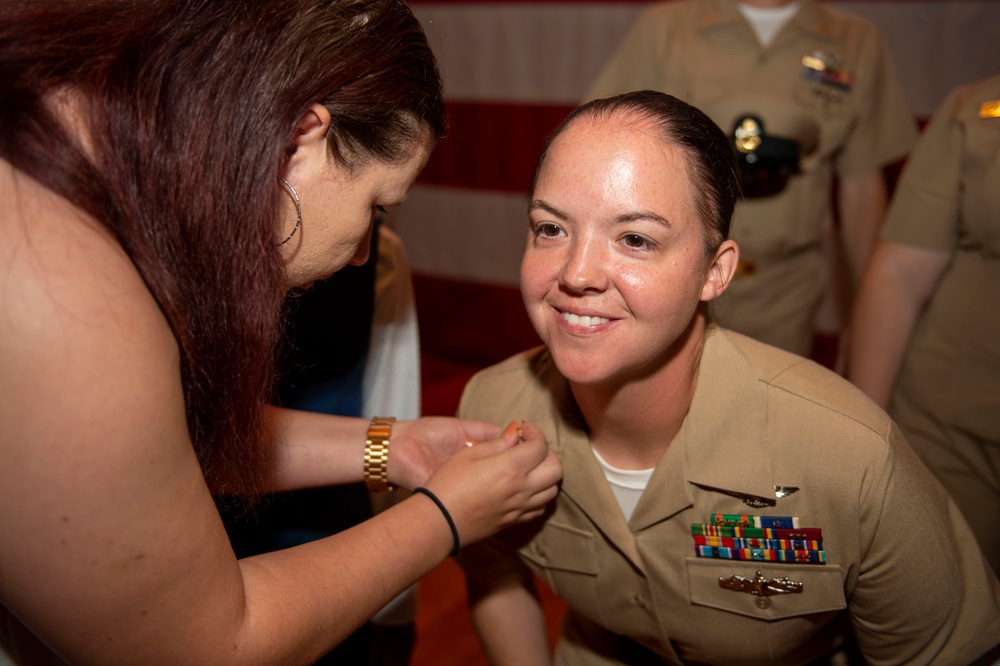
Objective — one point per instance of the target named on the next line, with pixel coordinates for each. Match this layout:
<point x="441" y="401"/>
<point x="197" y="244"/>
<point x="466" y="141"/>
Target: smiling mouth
<point x="586" y="320"/>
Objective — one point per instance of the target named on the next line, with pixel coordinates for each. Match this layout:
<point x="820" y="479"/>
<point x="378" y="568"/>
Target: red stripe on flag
<point x="448" y="312"/>
<point x="494" y="146"/>
<point x="491" y="145"/>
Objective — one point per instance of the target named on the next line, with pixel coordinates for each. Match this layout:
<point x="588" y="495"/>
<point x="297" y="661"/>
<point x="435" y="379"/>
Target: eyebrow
<point x="552" y="210"/>
<point x="624" y="218"/>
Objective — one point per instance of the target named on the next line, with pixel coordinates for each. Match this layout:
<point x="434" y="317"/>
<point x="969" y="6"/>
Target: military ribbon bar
<point x="775" y="544"/>
<point x="813" y="533"/>
<point x="736" y="520"/>
<point x="762" y="554"/>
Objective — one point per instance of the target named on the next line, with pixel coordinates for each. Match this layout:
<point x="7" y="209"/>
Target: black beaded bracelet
<point x="447" y="516"/>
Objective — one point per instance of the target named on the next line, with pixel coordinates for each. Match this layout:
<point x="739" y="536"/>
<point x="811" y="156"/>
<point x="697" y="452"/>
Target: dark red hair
<point x="191" y="106"/>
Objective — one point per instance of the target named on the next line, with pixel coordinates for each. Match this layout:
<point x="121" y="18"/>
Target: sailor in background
<point x="816" y="81"/>
<point x="927" y="329"/>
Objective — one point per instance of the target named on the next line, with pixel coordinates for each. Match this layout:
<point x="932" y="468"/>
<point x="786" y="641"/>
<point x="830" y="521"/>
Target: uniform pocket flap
<point x="820" y="587"/>
<point x="563" y="547"/>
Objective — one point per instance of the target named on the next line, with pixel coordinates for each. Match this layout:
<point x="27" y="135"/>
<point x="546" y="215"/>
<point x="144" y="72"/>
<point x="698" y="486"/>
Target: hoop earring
<point x="298" y="212"/>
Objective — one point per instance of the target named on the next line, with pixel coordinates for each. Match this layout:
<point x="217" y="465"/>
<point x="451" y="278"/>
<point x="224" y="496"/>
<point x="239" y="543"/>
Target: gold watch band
<point x="377" y="454"/>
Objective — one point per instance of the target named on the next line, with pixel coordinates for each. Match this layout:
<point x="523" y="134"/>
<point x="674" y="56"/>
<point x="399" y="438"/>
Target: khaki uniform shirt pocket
<point x="836" y="112"/>
<point x="565" y="557"/>
<point x="826" y="102"/>
<point x="821" y="588"/>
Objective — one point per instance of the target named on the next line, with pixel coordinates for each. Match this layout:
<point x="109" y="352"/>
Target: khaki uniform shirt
<point x="850" y="118"/>
<point x="949" y="199"/>
<point x="902" y="566"/>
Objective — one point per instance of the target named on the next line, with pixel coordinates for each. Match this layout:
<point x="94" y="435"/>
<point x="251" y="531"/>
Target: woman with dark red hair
<point x="169" y="169"/>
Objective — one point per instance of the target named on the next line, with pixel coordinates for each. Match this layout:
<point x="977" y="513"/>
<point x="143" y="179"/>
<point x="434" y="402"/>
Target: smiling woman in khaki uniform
<point x="926" y="313"/>
<point x="662" y="421"/>
<point x="814" y="77"/>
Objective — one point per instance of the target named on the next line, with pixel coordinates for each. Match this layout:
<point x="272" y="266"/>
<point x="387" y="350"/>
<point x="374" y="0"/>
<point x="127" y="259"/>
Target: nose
<point x="361" y="255"/>
<point x="586" y="267"/>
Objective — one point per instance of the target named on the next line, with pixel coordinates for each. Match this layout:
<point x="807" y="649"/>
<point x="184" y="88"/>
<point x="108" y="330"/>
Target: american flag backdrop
<point x="514" y="69"/>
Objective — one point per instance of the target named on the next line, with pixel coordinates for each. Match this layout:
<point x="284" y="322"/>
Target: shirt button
<point x="640" y="602"/>
<point x="540" y="551"/>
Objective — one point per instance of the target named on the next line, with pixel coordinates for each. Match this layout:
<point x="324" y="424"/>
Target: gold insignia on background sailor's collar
<point x="761" y="587"/>
<point x="990" y="109"/>
<point x="745" y="268"/>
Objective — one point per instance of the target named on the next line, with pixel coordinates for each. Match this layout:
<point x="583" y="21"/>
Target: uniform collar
<point x="812" y="20"/>
<point x="583" y="479"/>
<point x="725" y="432"/>
<point x="721" y="14"/>
<point x="721" y="445"/>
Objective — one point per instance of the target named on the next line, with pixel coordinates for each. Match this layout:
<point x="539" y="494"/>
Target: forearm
<point x="880" y="327"/>
<point x="336" y="584"/>
<point x="312" y="450"/>
<point x="898" y="282"/>
<point x="862" y="199"/>
<point x="509" y="621"/>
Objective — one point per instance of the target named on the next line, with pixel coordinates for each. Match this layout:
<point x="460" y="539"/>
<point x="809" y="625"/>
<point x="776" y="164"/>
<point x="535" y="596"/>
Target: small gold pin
<point x="990" y="109"/>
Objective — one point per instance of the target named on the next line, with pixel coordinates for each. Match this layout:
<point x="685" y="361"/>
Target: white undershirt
<point x="626" y="484"/>
<point x="766" y="22"/>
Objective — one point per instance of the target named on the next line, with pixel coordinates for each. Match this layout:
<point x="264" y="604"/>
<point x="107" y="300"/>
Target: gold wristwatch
<point x="377" y="454"/>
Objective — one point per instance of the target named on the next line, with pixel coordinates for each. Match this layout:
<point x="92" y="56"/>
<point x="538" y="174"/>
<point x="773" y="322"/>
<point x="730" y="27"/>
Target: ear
<point x="721" y="270"/>
<point x="309" y="142"/>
